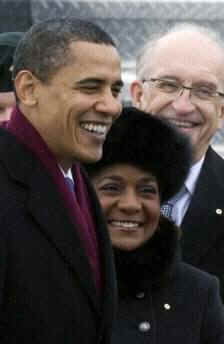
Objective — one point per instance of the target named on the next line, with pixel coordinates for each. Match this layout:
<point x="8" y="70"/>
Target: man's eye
<point x="203" y="92"/>
<point x="89" y="88"/>
<point x="167" y="86"/>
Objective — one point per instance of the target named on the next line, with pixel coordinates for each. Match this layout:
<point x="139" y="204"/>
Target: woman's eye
<point x="148" y="190"/>
<point x="109" y="187"/>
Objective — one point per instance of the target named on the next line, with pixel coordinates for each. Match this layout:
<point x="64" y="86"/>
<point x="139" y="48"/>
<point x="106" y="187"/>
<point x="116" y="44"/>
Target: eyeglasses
<point x="175" y="88"/>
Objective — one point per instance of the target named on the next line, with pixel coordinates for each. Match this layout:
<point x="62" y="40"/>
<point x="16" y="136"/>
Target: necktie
<point x="167" y="208"/>
<point x="70" y="184"/>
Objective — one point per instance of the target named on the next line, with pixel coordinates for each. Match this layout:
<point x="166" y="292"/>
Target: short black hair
<point x="45" y="48"/>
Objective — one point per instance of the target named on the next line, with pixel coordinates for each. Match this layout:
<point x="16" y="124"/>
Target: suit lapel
<point x="203" y="221"/>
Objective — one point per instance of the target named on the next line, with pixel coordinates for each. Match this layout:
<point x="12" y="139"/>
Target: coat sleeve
<point x="213" y="321"/>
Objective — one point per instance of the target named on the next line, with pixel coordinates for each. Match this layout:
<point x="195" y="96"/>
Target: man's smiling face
<point x="75" y="109"/>
<point x="194" y="61"/>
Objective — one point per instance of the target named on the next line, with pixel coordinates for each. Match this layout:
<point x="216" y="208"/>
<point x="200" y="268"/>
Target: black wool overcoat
<point x="47" y="294"/>
<point x="163" y="300"/>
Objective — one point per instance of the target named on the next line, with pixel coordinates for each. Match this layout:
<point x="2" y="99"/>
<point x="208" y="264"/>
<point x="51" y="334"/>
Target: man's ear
<point x="25" y="86"/>
<point x="136" y="89"/>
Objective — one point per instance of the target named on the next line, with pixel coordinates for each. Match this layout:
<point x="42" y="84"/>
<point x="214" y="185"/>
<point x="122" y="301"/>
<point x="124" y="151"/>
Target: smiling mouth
<point x="98" y="129"/>
<point x="126" y="225"/>
<point x="183" y="124"/>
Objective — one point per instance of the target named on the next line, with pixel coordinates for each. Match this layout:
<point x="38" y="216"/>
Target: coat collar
<point x="150" y="265"/>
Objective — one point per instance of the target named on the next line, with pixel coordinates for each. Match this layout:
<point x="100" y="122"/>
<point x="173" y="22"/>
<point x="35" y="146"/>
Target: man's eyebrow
<point x="205" y="83"/>
<point x="168" y="77"/>
<point x="89" y="80"/>
<point x="98" y="81"/>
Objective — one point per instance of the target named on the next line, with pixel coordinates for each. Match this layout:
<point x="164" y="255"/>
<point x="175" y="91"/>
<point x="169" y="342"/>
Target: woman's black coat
<point x="163" y="300"/>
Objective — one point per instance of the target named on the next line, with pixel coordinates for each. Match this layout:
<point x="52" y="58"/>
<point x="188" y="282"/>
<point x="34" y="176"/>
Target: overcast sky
<point x="213" y="1"/>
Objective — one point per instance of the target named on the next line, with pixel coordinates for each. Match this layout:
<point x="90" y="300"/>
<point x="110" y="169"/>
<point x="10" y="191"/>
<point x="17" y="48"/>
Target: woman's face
<point x="131" y="203"/>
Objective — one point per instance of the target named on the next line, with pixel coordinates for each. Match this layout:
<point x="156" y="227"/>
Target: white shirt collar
<point x="67" y="174"/>
<point x="193" y="174"/>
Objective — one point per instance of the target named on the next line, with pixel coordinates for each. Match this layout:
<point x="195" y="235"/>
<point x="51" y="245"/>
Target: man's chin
<point x="185" y="131"/>
<point x="92" y="158"/>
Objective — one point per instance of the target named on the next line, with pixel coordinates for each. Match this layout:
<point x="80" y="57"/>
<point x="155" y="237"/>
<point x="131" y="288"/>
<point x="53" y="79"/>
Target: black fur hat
<point x="151" y="144"/>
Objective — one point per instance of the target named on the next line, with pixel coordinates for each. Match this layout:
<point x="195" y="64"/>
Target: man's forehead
<point x="180" y="53"/>
<point x="183" y="41"/>
<point x="182" y="72"/>
<point x="92" y="50"/>
<point x="91" y="61"/>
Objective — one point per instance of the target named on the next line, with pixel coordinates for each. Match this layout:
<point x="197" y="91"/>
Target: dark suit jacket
<point x="47" y="294"/>
<point x="203" y="224"/>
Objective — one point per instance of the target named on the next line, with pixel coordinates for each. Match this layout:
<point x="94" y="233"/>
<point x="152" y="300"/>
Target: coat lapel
<point x="204" y="220"/>
<point x="45" y="204"/>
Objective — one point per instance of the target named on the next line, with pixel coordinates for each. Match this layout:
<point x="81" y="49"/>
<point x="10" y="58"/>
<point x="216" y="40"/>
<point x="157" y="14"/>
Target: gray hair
<point x="143" y="57"/>
<point x="45" y="48"/>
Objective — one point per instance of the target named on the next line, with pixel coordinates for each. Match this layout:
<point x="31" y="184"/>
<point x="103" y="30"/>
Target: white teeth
<point x="125" y="224"/>
<point x="182" y="124"/>
<point x="95" y="128"/>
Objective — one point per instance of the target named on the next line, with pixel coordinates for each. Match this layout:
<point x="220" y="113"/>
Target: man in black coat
<point x="180" y="77"/>
<point x="57" y="282"/>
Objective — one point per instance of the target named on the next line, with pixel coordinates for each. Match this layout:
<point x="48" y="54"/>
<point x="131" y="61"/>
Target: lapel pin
<point x="167" y="306"/>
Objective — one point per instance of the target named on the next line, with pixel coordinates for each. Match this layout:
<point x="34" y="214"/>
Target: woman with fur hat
<point x="161" y="299"/>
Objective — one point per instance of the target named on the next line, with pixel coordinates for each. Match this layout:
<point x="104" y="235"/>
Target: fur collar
<point x="150" y="265"/>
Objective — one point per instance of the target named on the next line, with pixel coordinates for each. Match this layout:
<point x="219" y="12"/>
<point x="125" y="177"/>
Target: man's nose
<point x="182" y="103"/>
<point x="108" y="104"/>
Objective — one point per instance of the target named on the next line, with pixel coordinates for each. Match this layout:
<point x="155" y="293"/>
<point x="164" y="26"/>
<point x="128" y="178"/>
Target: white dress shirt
<point x="181" y="206"/>
<point x="67" y="174"/>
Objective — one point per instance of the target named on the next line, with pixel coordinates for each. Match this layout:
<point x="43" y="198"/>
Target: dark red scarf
<point x="80" y="211"/>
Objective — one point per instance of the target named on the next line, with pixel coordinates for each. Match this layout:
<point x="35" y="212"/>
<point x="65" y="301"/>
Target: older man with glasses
<point x="180" y="77"/>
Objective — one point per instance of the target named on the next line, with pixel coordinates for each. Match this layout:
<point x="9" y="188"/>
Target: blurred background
<point x="130" y="22"/>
